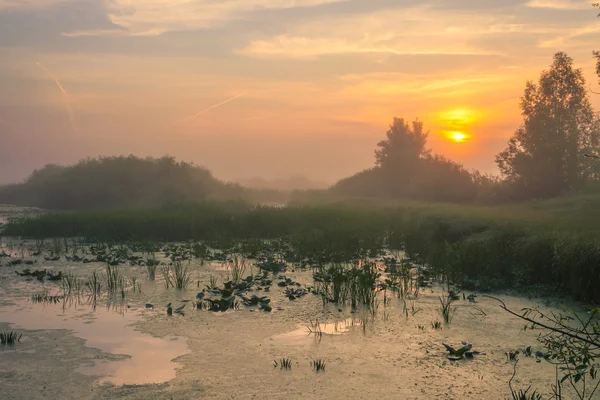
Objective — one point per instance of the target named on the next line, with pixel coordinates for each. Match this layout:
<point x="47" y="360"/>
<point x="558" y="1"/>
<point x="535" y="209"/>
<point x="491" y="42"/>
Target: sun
<point x="458" y="137"/>
<point x="456" y="123"/>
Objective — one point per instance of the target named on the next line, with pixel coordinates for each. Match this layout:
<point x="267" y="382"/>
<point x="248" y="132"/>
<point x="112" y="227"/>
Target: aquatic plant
<point x="237" y="267"/>
<point x="10" y="338"/>
<point x="318" y="365"/>
<point x="94" y="285"/>
<point x="114" y="280"/>
<point x="166" y="273"/>
<point x="446" y="307"/>
<point x="181" y="276"/>
<point x="436" y="325"/>
<point x="284" y="363"/>
<point x="151" y="264"/>
<point x="70" y="284"/>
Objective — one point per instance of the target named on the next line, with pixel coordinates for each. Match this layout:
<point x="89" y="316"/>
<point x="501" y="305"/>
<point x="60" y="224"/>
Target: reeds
<point x="446" y="308"/>
<point x="462" y="245"/>
<point x="283" y="363"/>
<point x="318" y="365"/>
<point x="10" y="338"/>
<point x="151" y="264"/>
<point x="177" y="275"/>
<point x="237" y="266"/>
<point x="94" y="285"/>
<point x="115" y="282"/>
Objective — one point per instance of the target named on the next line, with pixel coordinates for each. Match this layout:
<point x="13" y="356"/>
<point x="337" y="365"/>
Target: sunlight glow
<point x="458" y="137"/>
<point x="459" y="117"/>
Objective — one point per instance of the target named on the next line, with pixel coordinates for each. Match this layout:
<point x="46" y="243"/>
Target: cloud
<point x="154" y="17"/>
<point x="417" y="30"/>
<point x="28" y="4"/>
<point x="570" y="35"/>
<point x="560" y="4"/>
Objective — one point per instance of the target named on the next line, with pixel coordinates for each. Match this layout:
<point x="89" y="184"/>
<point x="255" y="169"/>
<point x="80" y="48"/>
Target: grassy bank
<point x="552" y="243"/>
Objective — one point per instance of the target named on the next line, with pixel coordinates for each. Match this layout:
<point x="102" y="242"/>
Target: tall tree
<point x="545" y="156"/>
<point x="405" y="144"/>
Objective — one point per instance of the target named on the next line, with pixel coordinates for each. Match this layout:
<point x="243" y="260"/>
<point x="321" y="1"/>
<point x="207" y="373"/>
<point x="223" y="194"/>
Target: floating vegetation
<point x="41" y="274"/>
<point x="10" y="338"/>
<point x="318" y="365"/>
<point x="463" y="352"/>
<point x="284" y="363"/>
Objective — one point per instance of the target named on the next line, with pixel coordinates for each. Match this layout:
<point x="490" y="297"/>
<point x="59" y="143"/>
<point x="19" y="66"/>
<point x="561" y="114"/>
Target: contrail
<point x="210" y="108"/>
<point x="65" y="94"/>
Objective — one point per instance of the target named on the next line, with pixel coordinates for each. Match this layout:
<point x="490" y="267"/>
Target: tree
<point x="545" y="156"/>
<point x="404" y="145"/>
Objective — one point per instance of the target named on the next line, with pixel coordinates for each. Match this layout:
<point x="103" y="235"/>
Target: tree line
<point x="553" y="152"/>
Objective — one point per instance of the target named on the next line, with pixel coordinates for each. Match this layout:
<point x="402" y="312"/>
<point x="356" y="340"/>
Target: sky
<point x="273" y="88"/>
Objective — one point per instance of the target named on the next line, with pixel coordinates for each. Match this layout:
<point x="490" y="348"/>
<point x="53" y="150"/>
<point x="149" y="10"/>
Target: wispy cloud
<point x="65" y="95"/>
<point x="154" y="17"/>
<point x="419" y="30"/>
<point x="28" y="4"/>
<point x="560" y="4"/>
<point x="571" y="34"/>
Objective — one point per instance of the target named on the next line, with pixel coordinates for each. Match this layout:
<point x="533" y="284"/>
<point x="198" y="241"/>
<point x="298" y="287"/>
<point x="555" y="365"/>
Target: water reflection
<point x="108" y="329"/>
<point x="318" y="330"/>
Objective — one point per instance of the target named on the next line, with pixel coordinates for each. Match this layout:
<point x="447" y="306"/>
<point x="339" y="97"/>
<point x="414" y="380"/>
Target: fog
<point x="272" y="90"/>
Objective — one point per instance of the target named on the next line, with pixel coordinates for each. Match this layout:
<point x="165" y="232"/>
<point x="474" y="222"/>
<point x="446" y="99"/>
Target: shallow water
<point x="390" y="355"/>
<point x="108" y="329"/>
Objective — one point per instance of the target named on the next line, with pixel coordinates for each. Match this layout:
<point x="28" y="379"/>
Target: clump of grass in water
<point x="182" y="276"/>
<point x="284" y="363"/>
<point x="114" y="280"/>
<point x="177" y="275"/>
<point x="70" y="285"/>
<point x="212" y="282"/>
<point x="135" y="285"/>
<point x="318" y="365"/>
<point x="166" y="273"/>
<point x="10" y="338"/>
<point x="436" y="325"/>
<point x="446" y="307"/>
<point x="151" y="264"/>
<point x="238" y="267"/>
<point x="94" y="285"/>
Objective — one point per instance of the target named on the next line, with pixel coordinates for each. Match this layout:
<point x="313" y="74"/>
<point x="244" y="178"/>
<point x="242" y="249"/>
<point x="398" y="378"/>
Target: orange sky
<point x="272" y="88"/>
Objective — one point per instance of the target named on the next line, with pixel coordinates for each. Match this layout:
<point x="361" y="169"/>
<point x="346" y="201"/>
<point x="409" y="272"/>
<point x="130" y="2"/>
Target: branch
<point x="591" y="156"/>
<point x="553" y="329"/>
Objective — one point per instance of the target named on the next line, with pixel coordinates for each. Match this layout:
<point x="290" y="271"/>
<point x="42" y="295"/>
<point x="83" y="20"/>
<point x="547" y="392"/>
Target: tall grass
<point x="177" y="275"/>
<point x="237" y="267"/>
<point x="474" y="247"/>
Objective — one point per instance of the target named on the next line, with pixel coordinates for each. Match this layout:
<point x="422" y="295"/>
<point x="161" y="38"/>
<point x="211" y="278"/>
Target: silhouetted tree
<point x="545" y="156"/>
<point x="404" y="168"/>
<point x="123" y="181"/>
<point x="404" y="145"/>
